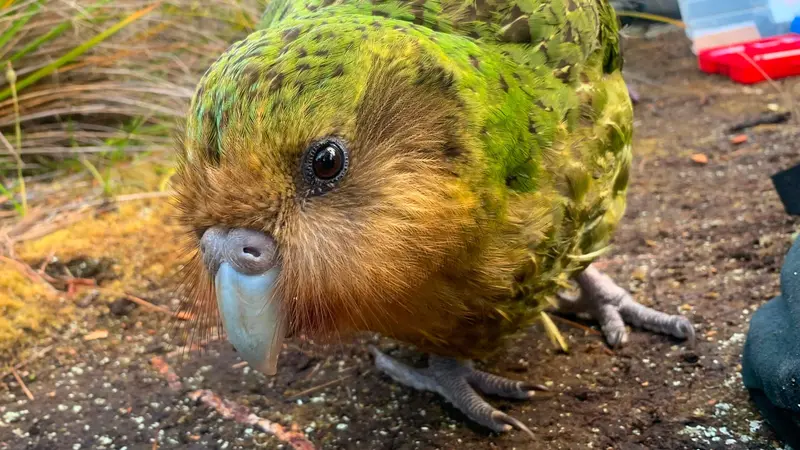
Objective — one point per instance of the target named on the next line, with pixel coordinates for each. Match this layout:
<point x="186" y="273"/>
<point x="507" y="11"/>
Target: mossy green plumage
<point x="544" y="126"/>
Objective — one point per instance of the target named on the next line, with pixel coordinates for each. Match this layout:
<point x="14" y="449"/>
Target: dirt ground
<point x="707" y="239"/>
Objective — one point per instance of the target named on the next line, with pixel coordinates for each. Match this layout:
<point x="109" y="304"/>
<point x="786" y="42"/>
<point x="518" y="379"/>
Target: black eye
<point x="325" y="163"/>
<point x="328" y="162"/>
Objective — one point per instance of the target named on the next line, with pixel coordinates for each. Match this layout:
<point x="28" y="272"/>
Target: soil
<point x="707" y="239"/>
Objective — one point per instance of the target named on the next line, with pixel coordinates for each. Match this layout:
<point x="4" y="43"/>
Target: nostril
<point x="252" y="251"/>
<point x="249" y="251"/>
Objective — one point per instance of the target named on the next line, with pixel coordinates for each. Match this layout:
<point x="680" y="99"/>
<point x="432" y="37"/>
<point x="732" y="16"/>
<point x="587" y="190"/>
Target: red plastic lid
<point x="753" y="62"/>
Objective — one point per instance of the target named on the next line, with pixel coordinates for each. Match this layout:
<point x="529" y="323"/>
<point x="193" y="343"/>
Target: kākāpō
<point x="434" y="171"/>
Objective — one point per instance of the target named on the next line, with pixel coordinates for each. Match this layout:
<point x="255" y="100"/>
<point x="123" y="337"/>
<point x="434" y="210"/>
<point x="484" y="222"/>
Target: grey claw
<point x="613" y="307"/>
<point x="685" y="330"/>
<point x="456" y="381"/>
<point x="568" y="297"/>
<point x="617" y="337"/>
<point x="532" y="388"/>
<point x="508" y="423"/>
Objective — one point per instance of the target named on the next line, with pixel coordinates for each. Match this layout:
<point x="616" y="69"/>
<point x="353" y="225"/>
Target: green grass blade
<point x="77" y="51"/>
<point x="54" y="33"/>
<point x="41" y="40"/>
<point x="9" y="34"/>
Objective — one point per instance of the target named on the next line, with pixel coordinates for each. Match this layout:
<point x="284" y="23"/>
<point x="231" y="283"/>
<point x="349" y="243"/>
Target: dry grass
<point x="90" y="92"/>
<point x="104" y="78"/>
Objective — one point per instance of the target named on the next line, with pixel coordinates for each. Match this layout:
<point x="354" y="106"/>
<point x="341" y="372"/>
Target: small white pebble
<point x="76" y="408"/>
<point x="11" y="416"/>
<point x="60" y="408"/>
<point x="76" y="370"/>
<point x="341" y="426"/>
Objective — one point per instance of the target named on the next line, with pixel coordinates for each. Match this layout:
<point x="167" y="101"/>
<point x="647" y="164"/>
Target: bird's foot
<point x="634" y="95"/>
<point x="457" y="381"/>
<point x="613" y="307"/>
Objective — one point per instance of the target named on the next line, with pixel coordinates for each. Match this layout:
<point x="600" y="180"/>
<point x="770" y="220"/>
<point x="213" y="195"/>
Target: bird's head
<point x="322" y="176"/>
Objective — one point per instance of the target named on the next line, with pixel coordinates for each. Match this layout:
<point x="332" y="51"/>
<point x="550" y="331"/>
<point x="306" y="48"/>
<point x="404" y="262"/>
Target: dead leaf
<point x="700" y="158"/>
<point x="739" y="139"/>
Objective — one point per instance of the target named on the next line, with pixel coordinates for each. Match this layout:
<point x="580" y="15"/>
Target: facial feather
<point x="378" y="252"/>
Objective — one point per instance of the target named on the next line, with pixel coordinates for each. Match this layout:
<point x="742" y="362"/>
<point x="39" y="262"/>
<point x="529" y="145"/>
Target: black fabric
<point x="771" y="356"/>
<point x="787" y="183"/>
<point x="785" y="422"/>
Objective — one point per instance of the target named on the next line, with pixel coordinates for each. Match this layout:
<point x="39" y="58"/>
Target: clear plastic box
<point x="769" y="17"/>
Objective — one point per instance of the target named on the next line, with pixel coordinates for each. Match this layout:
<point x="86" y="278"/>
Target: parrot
<point x="442" y="173"/>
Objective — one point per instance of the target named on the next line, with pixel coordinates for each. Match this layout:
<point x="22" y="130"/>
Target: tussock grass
<point x="90" y="80"/>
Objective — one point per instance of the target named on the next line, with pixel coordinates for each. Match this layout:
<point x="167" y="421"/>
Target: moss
<point x="140" y="237"/>
<point x="28" y="310"/>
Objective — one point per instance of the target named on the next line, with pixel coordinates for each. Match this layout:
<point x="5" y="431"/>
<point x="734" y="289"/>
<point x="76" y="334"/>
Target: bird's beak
<point x="245" y="269"/>
<point x="252" y="316"/>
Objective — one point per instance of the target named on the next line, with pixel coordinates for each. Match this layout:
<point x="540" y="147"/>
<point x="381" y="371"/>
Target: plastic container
<point x="749" y="62"/>
<point x="795" y="28"/>
<point x="769" y="17"/>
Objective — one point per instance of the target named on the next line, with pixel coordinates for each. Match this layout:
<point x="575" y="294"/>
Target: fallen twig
<point x="29" y="272"/>
<point x="318" y="387"/>
<point x="25" y="362"/>
<point x="47" y="260"/>
<point x="575" y="324"/>
<point x="32" y="227"/>
<point x="316" y="369"/>
<point x="73" y="282"/>
<point x="241" y="414"/>
<point x="764" y="119"/>
<point x="164" y="369"/>
<point x="182" y="315"/>
<point x="22" y="385"/>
